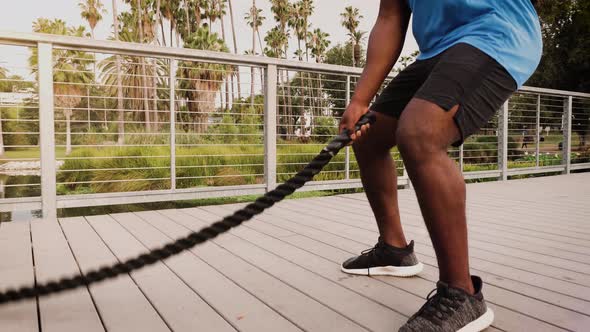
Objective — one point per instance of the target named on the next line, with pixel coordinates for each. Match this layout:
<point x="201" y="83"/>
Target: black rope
<point x="195" y="238"/>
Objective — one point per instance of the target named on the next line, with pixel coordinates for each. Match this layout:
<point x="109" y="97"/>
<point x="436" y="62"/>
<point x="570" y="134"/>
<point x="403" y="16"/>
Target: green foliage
<point x="566" y="56"/>
<point x="325" y="128"/>
<point x="335" y="85"/>
<point x="11" y="125"/>
<point x="546" y="159"/>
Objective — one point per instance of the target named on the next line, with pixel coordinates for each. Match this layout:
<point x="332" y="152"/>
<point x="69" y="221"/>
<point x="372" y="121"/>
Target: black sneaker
<point x="452" y="310"/>
<point x="384" y="260"/>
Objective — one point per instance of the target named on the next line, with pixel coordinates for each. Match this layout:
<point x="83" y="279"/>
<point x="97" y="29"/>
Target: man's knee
<point x="424" y="130"/>
<point x="372" y="144"/>
<point x="379" y="139"/>
<point x="414" y="142"/>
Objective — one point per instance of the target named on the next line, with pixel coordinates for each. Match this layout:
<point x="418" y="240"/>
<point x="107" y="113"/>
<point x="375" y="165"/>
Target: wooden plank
<point x="576" y="280"/>
<point x="488" y="220"/>
<point x="246" y="312"/>
<point x="315" y="286"/>
<point x="329" y="266"/>
<point x="298" y="308"/>
<point x="16" y="266"/>
<point x="68" y="311"/>
<point x="122" y="305"/>
<point x="498" y="269"/>
<point x="414" y="225"/>
<point x="180" y="307"/>
<point x="476" y="232"/>
<point x="314" y="228"/>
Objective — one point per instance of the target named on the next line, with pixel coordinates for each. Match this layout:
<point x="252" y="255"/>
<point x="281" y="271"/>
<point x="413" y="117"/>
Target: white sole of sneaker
<point x="480" y="324"/>
<point x="395" y="271"/>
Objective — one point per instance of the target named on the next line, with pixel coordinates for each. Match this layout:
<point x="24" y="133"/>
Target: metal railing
<point x="121" y="123"/>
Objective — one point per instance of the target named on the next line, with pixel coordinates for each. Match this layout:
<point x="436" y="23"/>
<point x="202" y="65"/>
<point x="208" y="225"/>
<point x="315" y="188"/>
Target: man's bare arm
<point x="385" y="45"/>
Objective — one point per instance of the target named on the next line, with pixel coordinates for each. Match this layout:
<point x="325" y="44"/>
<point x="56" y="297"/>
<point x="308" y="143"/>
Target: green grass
<point x="29" y="153"/>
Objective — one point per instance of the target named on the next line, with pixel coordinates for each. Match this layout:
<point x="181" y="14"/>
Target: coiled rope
<point x="195" y="238"/>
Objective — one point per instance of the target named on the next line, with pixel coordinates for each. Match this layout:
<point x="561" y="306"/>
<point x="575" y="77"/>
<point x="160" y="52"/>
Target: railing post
<point x="538" y="147"/>
<point x="347" y="151"/>
<point x="270" y="128"/>
<point x="503" y="142"/>
<point x="173" y="65"/>
<point x="567" y="135"/>
<point x="47" y="131"/>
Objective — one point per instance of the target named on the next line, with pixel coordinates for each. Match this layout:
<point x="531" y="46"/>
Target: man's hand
<point x="353" y="113"/>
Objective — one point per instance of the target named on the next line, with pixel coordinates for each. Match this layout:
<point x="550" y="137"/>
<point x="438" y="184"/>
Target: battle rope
<point x="195" y="238"/>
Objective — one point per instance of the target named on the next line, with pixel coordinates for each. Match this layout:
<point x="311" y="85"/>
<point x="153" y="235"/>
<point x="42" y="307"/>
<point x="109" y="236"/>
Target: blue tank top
<point x="507" y="30"/>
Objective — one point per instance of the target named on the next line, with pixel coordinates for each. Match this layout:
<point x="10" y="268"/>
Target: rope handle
<point x="188" y="242"/>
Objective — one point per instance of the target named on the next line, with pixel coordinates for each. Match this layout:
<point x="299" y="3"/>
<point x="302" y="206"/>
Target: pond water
<point x="13" y="186"/>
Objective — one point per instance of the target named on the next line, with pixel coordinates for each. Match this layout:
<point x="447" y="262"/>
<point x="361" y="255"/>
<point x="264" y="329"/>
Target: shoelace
<point x="370" y="254"/>
<point x="439" y="307"/>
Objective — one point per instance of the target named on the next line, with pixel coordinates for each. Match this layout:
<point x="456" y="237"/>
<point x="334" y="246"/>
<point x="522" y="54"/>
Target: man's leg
<point x="424" y="133"/>
<point x="379" y="177"/>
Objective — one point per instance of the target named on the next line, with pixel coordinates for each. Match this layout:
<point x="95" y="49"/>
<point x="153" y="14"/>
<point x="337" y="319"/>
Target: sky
<point x="326" y="16"/>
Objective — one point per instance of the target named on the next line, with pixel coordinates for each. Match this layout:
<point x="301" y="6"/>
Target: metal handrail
<point x="557" y="105"/>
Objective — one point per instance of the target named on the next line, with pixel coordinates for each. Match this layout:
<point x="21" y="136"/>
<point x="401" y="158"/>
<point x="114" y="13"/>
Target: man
<point x="474" y="55"/>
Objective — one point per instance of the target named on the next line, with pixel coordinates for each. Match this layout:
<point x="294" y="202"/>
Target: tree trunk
<point x="261" y="53"/>
<point x="163" y="33"/>
<point x="146" y="105"/>
<point x="188" y="25"/>
<point x="159" y="22"/>
<point x="305" y="36"/>
<point x="68" y="114"/>
<point x="88" y="106"/>
<point x="1" y="136"/>
<point x="352" y="46"/>
<point x="120" y="111"/>
<point x="253" y="53"/>
<point x="172" y="33"/>
<point x="225" y="78"/>
<point x="155" y="97"/>
<point x="357" y="53"/>
<point x="233" y="28"/>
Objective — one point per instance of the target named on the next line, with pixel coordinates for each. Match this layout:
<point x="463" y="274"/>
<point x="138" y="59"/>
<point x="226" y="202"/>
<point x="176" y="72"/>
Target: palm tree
<point x="275" y="40"/>
<point x="169" y="10"/>
<point x="254" y="19"/>
<point x="200" y="82"/>
<point x="306" y="10"/>
<point x="297" y="22"/>
<point x="357" y="38"/>
<point x="233" y="29"/>
<point x="132" y="82"/>
<point x="282" y="11"/>
<point x="216" y="11"/>
<point x="70" y="70"/>
<point x="220" y="13"/>
<point x="140" y="13"/>
<point x="159" y="22"/>
<point x="350" y="20"/>
<point x="92" y="11"/>
<point x="187" y="6"/>
<point x="120" y="111"/>
<point x="319" y="42"/>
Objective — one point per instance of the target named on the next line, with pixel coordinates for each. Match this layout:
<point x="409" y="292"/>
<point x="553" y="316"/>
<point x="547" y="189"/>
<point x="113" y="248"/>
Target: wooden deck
<point x="529" y="240"/>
